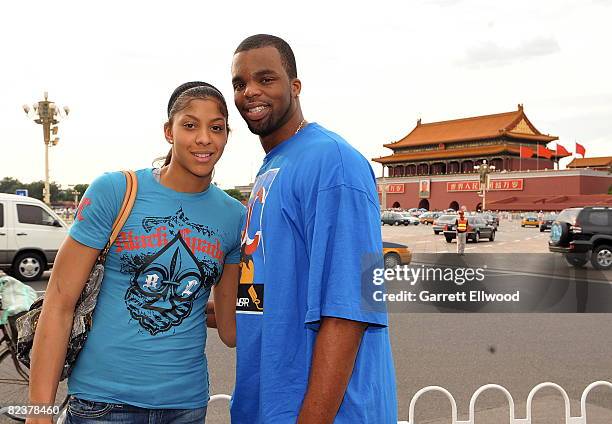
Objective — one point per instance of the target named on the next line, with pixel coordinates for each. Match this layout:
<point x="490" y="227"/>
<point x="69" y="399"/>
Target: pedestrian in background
<point x="462" y="228"/>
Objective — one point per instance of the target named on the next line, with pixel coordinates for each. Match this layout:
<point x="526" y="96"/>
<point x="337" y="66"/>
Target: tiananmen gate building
<point x="433" y="167"/>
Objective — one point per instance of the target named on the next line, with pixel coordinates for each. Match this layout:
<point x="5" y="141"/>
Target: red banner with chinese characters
<point x="392" y="188"/>
<point x="494" y="185"/>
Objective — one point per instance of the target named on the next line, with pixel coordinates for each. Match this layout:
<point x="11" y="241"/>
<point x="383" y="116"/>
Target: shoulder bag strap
<point x="129" y="198"/>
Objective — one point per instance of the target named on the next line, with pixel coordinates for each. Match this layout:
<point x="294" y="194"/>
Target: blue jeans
<point x="82" y="411"/>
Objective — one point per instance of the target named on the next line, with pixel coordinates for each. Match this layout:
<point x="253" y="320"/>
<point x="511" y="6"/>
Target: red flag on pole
<point x="562" y="151"/>
<point x="526" y="152"/>
<point x="580" y="149"/>
<point x="544" y="152"/>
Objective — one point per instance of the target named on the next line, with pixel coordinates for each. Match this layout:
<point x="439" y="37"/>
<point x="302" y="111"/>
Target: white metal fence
<point x="582" y="419"/>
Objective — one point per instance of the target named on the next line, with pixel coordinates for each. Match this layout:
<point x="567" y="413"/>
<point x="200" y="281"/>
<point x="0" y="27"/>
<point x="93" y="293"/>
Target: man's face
<point x="263" y="93"/>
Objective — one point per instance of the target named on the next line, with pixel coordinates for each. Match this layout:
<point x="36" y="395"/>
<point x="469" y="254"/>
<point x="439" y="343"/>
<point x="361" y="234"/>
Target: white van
<point x="30" y="236"/>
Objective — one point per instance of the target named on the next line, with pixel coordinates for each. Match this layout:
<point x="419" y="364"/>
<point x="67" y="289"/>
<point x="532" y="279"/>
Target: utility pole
<point x="47" y="114"/>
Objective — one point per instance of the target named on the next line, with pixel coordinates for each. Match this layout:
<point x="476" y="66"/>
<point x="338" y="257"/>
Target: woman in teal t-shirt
<point x="144" y="357"/>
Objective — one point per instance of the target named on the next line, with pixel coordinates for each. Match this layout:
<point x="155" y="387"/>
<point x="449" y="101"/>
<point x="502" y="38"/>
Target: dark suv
<point x="478" y="228"/>
<point x="547" y="221"/>
<point x="492" y="219"/>
<point x="582" y="234"/>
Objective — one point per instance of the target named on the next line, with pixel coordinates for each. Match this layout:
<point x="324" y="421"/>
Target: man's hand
<point x="211" y="321"/>
<point x="333" y="360"/>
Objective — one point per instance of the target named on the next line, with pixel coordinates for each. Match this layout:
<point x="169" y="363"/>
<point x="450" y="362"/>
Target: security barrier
<point x="582" y="419"/>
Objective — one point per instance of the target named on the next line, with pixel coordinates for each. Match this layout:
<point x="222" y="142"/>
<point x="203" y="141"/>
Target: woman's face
<point x="198" y="134"/>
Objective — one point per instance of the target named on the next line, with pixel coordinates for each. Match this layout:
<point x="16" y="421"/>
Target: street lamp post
<point x="47" y="114"/>
<point x="75" y="193"/>
<point x="484" y="169"/>
<point x="383" y="190"/>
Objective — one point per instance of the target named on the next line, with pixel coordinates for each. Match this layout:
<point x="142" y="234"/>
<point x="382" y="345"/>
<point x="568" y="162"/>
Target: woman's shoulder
<point x="110" y="182"/>
<point x="113" y="177"/>
<point x="227" y="201"/>
<point x="114" y="182"/>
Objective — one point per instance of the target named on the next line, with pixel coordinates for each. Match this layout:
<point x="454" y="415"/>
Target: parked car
<point x="492" y="219"/>
<point x="428" y="217"/>
<point x="411" y="219"/>
<point x="583" y="234"/>
<point x="30" y="236"/>
<point x="547" y="222"/>
<point x="530" y="221"/>
<point x="478" y="229"/>
<point x="395" y="254"/>
<point x="395" y="218"/>
<point x="442" y="221"/>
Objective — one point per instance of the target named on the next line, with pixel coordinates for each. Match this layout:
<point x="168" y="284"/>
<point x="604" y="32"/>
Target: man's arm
<point x="224" y="306"/>
<point x="211" y="321"/>
<point x="332" y="365"/>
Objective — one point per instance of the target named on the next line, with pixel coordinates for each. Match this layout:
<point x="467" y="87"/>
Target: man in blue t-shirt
<point x="307" y="349"/>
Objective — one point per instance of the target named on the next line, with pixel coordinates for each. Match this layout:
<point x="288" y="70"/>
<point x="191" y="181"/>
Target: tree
<point x="35" y="189"/>
<point x="9" y="185"/>
<point x="235" y="194"/>
<point x="81" y="188"/>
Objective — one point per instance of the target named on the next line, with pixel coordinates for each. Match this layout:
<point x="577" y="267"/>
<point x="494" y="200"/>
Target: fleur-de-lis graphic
<point x="163" y="289"/>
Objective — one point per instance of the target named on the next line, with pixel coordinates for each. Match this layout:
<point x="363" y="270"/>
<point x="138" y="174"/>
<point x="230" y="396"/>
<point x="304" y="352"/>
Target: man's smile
<point x="256" y="112"/>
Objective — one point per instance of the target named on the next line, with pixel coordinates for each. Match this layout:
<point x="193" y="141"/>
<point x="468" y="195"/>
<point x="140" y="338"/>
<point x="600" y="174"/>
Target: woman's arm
<point x="224" y="294"/>
<point x="72" y="266"/>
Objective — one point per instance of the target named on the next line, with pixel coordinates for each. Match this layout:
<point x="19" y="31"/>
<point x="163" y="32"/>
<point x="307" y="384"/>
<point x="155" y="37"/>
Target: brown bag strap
<point x="131" y="189"/>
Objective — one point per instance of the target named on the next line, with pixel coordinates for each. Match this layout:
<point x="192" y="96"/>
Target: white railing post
<point x="583" y="410"/>
<point x="488" y="387"/>
<point x="553" y="386"/>
<point x="432" y="389"/>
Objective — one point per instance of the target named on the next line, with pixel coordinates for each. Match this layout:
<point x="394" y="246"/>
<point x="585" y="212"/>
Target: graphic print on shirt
<point x="252" y="253"/>
<point x="85" y="201"/>
<point x="171" y="265"/>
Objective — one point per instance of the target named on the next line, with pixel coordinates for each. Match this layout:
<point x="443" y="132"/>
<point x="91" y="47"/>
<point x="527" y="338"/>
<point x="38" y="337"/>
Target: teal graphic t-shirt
<point x="146" y="345"/>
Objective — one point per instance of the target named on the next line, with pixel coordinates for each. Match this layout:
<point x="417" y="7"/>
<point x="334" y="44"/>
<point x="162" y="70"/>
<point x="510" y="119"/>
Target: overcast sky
<point x="369" y="70"/>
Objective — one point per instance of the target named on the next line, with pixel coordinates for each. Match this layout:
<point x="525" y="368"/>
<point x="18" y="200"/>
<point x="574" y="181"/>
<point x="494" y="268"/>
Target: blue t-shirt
<point x="312" y="217"/>
<point x="146" y="345"/>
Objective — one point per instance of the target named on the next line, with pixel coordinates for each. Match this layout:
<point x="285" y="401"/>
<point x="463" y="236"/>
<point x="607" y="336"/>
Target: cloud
<point x="493" y="54"/>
